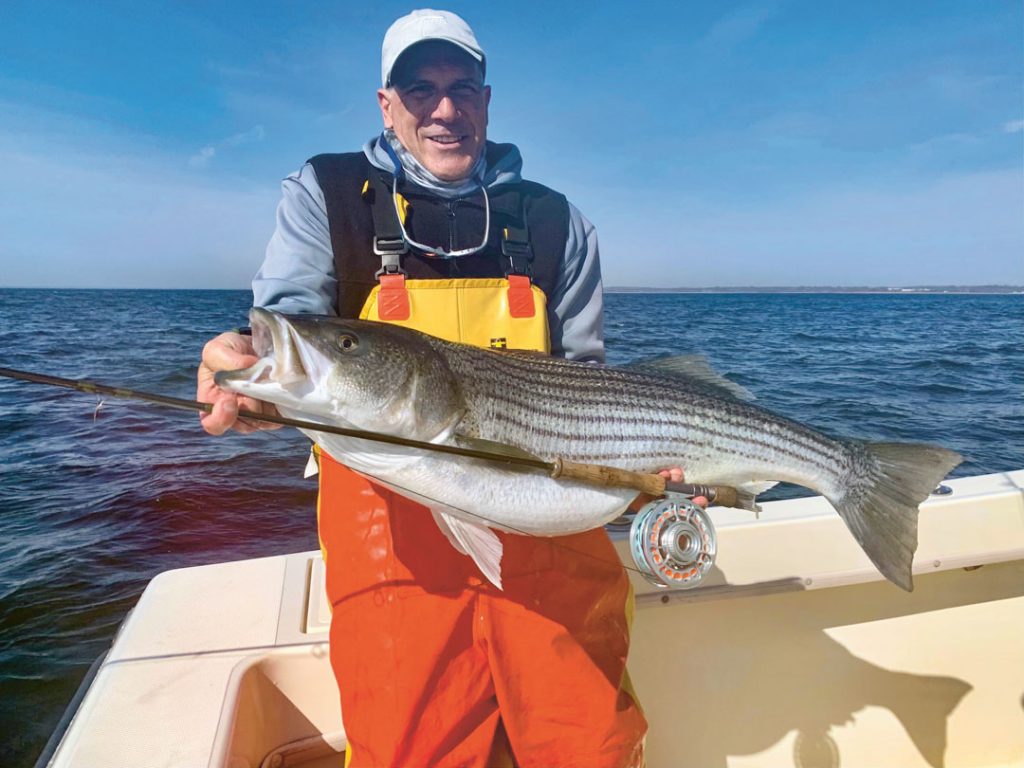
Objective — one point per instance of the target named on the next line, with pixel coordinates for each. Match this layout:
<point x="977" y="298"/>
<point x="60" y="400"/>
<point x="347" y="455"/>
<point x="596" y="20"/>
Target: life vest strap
<point x="388" y="241"/>
<point x="515" y="246"/>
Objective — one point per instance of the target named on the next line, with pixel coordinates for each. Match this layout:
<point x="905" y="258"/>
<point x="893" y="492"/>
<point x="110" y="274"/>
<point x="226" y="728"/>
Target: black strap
<point x="515" y="240"/>
<point x="388" y="241"/>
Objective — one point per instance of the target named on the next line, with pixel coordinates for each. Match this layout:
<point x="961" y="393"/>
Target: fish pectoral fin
<point x="442" y="523"/>
<point x="312" y="466"/>
<point x="477" y="541"/>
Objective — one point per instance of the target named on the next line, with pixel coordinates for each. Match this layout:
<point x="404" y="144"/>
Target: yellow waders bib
<point x="500" y="313"/>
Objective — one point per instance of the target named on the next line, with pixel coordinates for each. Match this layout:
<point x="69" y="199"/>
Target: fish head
<point x="352" y="373"/>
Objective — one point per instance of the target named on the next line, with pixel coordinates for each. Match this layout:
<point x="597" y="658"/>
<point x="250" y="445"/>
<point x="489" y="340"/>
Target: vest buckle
<point x="383" y="245"/>
<point x="390" y="260"/>
<point x="519" y="255"/>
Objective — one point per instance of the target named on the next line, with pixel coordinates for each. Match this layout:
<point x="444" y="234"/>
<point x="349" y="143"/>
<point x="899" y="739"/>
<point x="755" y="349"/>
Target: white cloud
<point x="254" y="134"/>
<point x="203" y="157"/>
<point x="1014" y="126"/>
<point x="946" y="143"/>
<point x="736" y="27"/>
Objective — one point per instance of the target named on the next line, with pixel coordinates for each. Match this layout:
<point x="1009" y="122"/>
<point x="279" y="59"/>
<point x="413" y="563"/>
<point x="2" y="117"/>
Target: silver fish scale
<point x="637" y="420"/>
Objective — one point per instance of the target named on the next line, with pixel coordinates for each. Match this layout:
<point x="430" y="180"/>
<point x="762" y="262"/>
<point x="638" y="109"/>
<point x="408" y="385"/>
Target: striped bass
<point x="385" y="378"/>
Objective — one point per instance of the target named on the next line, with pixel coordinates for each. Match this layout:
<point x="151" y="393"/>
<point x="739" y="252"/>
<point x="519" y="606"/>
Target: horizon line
<point x="948" y="288"/>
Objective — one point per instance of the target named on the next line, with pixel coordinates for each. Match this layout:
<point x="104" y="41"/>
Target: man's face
<point x="437" y="107"/>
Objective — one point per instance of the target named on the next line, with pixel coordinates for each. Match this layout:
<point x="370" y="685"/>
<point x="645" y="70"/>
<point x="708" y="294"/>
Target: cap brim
<point x="476" y="55"/>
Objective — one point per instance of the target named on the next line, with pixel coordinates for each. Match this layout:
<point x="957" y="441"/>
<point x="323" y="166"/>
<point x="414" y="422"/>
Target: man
<point x="432" y="226"/>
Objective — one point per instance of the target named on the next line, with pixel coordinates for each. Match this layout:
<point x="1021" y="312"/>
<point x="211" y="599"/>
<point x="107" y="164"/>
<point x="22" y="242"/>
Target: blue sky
<point x="713" y="144"/>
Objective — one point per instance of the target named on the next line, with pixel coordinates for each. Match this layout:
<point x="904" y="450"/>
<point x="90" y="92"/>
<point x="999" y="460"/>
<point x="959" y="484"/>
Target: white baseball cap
<point x="426" y="24"/>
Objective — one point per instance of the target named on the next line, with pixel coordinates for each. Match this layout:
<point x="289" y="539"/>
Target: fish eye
<point x="347" y="342"/>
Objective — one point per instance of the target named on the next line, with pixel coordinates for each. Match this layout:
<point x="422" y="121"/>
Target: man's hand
<point x="673" y="475"/>
<point x="228" y="352"/>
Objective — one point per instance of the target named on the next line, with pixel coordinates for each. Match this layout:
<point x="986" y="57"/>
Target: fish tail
<point x="879" y="501"/>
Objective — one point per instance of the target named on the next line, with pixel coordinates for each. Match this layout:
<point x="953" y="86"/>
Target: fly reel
<point x="673" y="543"/>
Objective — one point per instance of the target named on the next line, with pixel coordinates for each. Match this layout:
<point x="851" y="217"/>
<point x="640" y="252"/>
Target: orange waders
<point x="436" y="667"/>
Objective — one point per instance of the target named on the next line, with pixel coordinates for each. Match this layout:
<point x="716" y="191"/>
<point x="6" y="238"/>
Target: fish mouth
<point x="285" y="359"/>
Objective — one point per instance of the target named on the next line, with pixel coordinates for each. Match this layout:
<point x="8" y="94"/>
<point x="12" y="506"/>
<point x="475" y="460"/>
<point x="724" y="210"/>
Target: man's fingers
<point x="225" y="404"/>
<point x="257" y="406"/>
<point x="207" y="390"/>
<point x="229" y="352"/>
<point x="672" y="474"/>
<point x="222" y="417"/>
<point x="675" y="475"/>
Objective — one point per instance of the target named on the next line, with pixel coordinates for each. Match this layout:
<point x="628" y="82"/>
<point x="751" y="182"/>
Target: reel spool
<point x="673" y="543"/>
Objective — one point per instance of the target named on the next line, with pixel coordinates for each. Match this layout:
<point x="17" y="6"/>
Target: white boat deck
<point x="793" y="652"/>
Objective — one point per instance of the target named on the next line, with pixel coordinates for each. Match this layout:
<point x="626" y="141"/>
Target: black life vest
<point x="541" y="213"/>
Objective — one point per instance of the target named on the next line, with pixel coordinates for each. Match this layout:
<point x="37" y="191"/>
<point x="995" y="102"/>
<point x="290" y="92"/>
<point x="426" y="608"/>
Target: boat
<point x="792" y="651"/>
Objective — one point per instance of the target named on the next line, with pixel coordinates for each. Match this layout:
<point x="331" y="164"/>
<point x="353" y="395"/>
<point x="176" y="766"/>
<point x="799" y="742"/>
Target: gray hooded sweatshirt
<point x="298" y="274"/>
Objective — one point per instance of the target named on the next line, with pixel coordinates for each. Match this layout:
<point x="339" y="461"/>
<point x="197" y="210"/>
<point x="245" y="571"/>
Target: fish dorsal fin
<point x="477" y="541"/>
<point x="697" y="371"/>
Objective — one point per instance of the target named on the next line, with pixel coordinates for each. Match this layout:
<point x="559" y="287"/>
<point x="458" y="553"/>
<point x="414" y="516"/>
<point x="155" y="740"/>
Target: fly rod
<point x="592" y="474"/>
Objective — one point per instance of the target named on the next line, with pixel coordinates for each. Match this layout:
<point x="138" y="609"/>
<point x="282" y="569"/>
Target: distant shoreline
<point x="916" y="290"/>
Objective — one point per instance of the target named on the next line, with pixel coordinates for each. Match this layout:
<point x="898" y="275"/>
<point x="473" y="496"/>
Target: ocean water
<point x="99" y="495"/>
